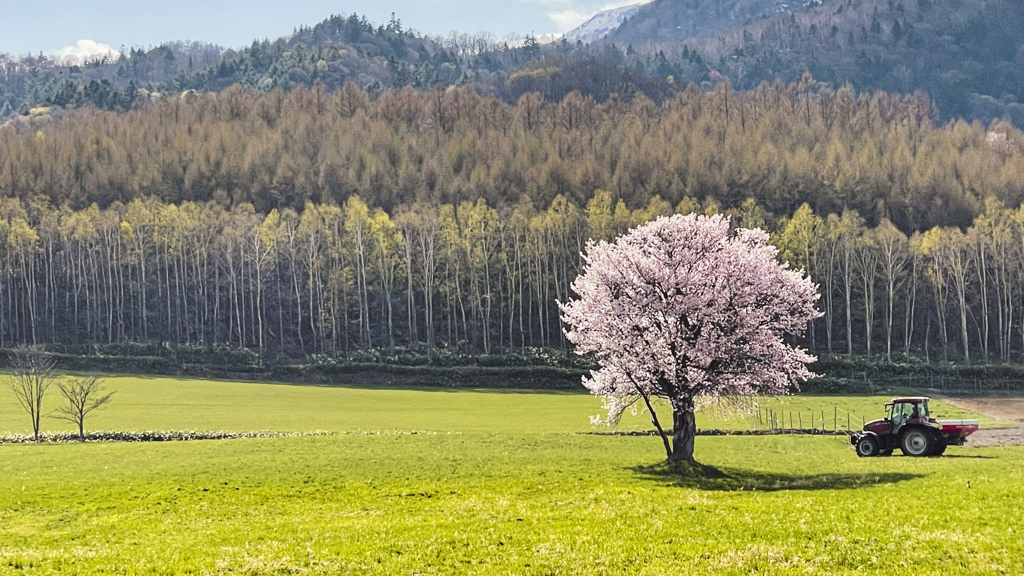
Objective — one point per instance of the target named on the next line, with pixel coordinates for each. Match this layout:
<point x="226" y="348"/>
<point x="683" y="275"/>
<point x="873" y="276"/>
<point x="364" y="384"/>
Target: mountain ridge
<point x="675" y="20"/>
<point x="966" y="55"/>
<point x="601" y="24"/>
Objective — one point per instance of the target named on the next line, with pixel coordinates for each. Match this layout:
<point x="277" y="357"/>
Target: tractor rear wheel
<point x="940" y="445"/>
<point x="916" y="442"/>
<point x="867" y="446"/>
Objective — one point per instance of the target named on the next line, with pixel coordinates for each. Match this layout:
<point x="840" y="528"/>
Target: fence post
<point x="835" y="418"/>
<point x="847" y="421"/>
<point x="800" y="419"/>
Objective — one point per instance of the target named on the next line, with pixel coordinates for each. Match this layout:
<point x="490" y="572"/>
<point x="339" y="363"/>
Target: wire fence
<point x="837" y="421"/>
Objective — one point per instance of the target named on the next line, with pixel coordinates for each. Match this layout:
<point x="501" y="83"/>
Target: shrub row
<point x="149" y="436"/>
<point x="534" y="368"/>
<point x="861" y="374"/>
<point x="857" y="366"/>
<point x="720" y="432"/>
<point x="417" y="355"/>
<point x="219" y="355"/>
<point x="455" y="376"/>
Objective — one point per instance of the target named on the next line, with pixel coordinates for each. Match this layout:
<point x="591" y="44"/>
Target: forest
<point x="318" y="222"/>
<point x="965" y="54"/>
<point x="880" y="154"/>
<point x="468" y="277"/>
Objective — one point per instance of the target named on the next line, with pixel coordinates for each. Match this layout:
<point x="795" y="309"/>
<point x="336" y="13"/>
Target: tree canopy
<point x="682" y="309"/>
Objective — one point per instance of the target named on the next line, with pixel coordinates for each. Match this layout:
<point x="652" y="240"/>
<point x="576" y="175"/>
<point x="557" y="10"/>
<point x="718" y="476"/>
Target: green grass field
<point x="492" y="483"/>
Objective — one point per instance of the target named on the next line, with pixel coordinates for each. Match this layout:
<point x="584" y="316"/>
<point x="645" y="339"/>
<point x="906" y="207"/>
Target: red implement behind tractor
<point x="908" y="425"/>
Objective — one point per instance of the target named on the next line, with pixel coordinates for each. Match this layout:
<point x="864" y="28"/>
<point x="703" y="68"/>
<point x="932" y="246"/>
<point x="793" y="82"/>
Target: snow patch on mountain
<point x="782" y="6"/>
<point x="601" y="24"/>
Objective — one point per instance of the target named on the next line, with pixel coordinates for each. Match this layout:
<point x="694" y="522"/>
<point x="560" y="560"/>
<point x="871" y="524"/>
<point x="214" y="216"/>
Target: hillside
<point x="108" y="82"/>
<point x="337" y="50"/>
<point x="968" y="56"/>
<point x="672" y="20"/>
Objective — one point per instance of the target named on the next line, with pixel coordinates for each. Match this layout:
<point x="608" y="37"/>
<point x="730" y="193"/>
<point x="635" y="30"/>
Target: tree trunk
<point x="684" y="430"/>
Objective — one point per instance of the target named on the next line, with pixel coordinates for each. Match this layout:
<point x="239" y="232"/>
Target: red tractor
<point x="908" y="425"/>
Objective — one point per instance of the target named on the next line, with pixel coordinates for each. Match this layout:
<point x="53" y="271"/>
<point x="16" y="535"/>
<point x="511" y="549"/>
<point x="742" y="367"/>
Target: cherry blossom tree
<point x="683" y="310"/>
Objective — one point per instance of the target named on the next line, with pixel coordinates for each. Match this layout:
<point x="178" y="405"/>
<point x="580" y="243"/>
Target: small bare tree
<point x="83" y="395"/>
<point x="32" y="375"/>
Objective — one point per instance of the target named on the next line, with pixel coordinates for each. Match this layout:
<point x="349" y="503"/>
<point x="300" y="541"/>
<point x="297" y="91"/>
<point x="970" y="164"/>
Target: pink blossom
<point x="682" y="309"/>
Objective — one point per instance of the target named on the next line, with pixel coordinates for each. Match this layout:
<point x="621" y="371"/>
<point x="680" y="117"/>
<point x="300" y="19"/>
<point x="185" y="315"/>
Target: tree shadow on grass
<point x="727" y="479"/>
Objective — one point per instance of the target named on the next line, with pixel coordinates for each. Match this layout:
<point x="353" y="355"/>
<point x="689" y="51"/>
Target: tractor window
<point x="907" y="410"/>
<point x="900" y="414"/>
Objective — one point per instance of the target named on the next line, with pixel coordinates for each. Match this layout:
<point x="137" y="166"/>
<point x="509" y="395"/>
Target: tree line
<point x="782" y="145"/>
<point x="471" y="277"/>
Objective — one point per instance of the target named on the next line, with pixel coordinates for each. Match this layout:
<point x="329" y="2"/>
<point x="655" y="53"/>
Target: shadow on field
<point x="704" y="477"/>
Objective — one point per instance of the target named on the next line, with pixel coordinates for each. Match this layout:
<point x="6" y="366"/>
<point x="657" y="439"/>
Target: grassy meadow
<point x="483" y="482"/>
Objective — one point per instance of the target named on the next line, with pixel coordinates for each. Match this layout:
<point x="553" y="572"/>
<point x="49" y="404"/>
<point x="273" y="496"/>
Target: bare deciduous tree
<point x="83" y="395"/>
<point x="32" y="375"/>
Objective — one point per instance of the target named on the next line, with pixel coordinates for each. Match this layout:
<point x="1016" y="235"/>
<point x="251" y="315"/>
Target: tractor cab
<point x="903" y="411"/>
<point x="898" y="413"/>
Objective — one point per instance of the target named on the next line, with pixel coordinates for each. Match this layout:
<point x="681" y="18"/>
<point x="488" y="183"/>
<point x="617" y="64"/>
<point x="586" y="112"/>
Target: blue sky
<point x="30" y="27"/>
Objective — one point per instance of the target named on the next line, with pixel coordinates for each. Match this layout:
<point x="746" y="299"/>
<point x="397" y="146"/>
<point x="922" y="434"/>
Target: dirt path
<point x="1005" y="408"/>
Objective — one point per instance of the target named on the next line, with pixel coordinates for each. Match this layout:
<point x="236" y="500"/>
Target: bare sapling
<point x="32" y="374"/>
<point x="83" y="395"/>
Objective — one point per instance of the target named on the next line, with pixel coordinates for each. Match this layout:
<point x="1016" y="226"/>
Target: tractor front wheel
<point x="867" y="446"/>
<point x="916" y="442"/>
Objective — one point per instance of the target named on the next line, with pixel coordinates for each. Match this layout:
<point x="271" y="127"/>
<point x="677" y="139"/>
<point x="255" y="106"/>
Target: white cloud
<point x="566" y="20"/>
<point x="620" y="3"/>
<point x="550" y="3"/>
<point x="84" y="49"/>
<point x="568" y="14"/>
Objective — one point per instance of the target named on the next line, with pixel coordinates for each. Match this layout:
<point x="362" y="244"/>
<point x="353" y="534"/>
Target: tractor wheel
<point x="940" y="446"/>
<point x="916" y="442"/>
<point x="867" y="446"/>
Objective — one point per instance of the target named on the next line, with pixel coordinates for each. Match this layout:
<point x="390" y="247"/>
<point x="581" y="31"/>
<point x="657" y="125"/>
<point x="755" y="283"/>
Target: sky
<point x="84" y="27"/>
